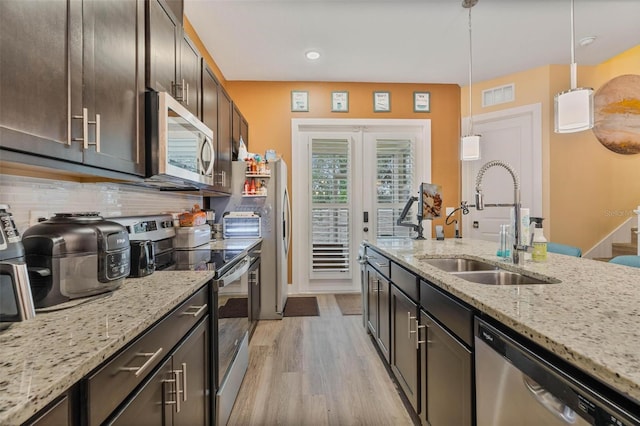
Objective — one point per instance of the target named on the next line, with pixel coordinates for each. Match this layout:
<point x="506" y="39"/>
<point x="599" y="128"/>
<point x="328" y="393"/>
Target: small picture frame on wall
<point x="421" y="102"/>
<point x="299" y="101"/>
<point x="339" y="101"/>
<point x="381" y="102"/>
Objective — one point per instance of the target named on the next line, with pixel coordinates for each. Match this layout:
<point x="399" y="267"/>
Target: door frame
<point x="299" y="160"/>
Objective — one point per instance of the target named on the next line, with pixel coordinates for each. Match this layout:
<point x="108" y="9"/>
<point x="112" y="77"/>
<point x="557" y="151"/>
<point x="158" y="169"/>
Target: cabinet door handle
<point x="184" y="381"/>
<point x="177" y="392"/>
<point x="137" y="371"/>
<point x="97" y="142"/>
<point x="199" y="310"/>
<point x="187" y="95"/>
<point x="409" y="318"/>
<point x="174" y="88"/>
<point x="418" y="327"/>
<point x="85" y="125"/>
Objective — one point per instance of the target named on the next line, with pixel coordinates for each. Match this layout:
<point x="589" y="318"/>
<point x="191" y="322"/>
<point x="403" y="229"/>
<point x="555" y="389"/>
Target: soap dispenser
<point x="539" y="242"/>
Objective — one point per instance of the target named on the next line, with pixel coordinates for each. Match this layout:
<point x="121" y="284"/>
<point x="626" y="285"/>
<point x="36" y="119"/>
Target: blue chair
<point x="627" y="260"/>
<point x="564" y="249"/>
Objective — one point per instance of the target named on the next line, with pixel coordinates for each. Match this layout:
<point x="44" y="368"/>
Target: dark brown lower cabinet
<point x="404" y="345"/>
<point x="378" y="310"/>
<point x="56" y="415"/>
<point x="178" y="392"/>
<point x="446" y="368"/>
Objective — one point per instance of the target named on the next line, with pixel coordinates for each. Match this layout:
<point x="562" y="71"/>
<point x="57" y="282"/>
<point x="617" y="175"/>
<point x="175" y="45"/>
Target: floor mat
<point x="350" y="304"/>
<point x="301" y="307"/>
<point x="234" y="308"/>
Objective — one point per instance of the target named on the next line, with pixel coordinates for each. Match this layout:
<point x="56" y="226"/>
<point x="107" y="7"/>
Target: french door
<point x="351" y="179"/>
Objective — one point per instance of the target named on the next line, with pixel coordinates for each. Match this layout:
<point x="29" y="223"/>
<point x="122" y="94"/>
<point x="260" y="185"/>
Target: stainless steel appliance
<point x="16" y="303"/>
<point x="155" y="228"/>
<point x="233" y="269"/>
<point x="275" y="212"/>
<point x="142" y="258"/>
<point x="181" y="152"/>
<point x="514" y="386"/>
<point x="74" y="255"/>
<point x="192" y="247"/>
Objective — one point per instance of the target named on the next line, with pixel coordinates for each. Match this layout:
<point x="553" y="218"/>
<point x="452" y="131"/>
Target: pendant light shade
<point x="470" y="148"/>
<point x="573" y="108"/>
<point x="470" y="144"/>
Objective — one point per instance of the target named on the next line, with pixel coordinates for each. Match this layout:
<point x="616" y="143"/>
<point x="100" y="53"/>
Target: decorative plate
<point x="617" y="114"/>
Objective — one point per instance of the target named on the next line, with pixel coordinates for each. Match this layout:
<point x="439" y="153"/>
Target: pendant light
<point x="574" y="107"/>
<point x="470" y="144"/>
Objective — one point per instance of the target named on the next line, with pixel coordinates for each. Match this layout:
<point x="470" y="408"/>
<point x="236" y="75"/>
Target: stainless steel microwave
<point x="180" y="150"/>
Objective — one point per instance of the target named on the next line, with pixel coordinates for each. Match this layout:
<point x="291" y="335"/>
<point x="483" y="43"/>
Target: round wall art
<point x="617" y="114"/>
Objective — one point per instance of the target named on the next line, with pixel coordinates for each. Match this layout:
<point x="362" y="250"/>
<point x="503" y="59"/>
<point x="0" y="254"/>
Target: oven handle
<point x="240" y="269"/>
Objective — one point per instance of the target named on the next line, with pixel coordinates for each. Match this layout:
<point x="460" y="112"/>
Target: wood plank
<point x="317" y="371"/>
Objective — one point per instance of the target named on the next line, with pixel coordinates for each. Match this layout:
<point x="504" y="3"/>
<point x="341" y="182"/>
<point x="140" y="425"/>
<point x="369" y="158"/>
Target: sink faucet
<point x="480" y="205"/>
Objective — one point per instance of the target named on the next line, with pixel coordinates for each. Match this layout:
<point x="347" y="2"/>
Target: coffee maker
<point x="16" y="302"/>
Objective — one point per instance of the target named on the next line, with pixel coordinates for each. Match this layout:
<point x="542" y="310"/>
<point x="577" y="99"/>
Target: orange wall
<point x="267" y="108"/>
<point x="587" y="190"/>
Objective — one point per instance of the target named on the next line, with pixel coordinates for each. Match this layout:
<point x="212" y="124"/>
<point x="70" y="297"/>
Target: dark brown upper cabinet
<point x="225" y="112"/>
<point x="190" y="76"/>
<point x="173" y="62"/>
<point x="240" y="128"/>
<point x="72" y="83"/>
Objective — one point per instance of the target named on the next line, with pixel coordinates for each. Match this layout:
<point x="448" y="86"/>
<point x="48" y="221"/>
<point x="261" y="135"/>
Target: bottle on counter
<point x="504" y="249"/>
<point x="539" y="244"/>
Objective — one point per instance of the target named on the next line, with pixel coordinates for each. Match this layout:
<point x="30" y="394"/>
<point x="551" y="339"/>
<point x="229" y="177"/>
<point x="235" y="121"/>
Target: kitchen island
<point x="590" y="319"/>
<point x="43" y="357"/>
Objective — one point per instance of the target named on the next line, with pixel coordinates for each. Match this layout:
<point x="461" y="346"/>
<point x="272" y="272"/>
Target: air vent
<point x="498" y="95"/>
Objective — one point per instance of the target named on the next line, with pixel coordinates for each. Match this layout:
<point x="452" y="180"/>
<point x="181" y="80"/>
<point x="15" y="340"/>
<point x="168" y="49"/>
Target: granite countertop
<point x="41" y="358"/>
<point x="590" y="319"/>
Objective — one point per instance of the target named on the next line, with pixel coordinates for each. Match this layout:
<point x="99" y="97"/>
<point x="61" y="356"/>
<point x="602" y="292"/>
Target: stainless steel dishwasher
<point x="514" y="386"/>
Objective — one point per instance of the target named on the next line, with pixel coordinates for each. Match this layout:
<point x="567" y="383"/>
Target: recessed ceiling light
<point x="587" y="41"/>
<point x="312" y="55"/>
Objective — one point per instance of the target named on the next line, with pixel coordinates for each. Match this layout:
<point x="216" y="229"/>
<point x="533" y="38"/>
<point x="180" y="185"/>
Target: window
<point x="330" y="206"/>
<point x="395" y="163"/>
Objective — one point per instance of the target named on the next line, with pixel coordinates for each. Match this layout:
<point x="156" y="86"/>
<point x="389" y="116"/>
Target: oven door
<point x="233" y="314"/>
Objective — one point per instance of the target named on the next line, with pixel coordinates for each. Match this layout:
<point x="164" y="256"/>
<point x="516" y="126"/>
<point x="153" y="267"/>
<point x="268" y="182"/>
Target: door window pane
<point x="395" y="183"/>
<point x="330" y="207"/>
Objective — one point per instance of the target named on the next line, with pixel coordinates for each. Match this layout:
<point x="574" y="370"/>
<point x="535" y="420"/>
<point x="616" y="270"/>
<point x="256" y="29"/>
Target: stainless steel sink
<point x="460" y="264"/>
<point x="502" y="277"/>
<point x="481" y="272"/>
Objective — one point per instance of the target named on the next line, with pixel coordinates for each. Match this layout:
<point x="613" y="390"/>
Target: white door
<point x="513" y="136"/>
<point x="351" y="179"/>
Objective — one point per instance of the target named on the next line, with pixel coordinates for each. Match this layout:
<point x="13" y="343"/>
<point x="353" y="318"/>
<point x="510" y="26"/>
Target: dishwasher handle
<point x="549" y="401"/>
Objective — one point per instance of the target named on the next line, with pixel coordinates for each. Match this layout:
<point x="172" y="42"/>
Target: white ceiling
<point x="406" y="41"/>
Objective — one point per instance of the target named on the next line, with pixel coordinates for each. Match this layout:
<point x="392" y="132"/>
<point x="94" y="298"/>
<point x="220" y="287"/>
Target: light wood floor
<point x="316" y="371"/>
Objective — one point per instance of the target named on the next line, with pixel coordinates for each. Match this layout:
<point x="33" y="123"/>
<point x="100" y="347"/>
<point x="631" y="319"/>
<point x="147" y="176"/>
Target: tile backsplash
<point x="29" y="198"/>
